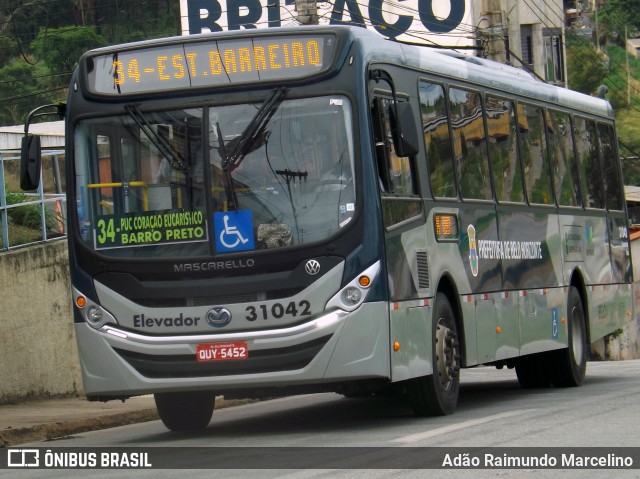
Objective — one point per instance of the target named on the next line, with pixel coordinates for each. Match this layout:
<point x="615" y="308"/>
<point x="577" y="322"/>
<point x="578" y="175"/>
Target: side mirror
<point x="30" y="162"/>
<point x="403" y="129"/>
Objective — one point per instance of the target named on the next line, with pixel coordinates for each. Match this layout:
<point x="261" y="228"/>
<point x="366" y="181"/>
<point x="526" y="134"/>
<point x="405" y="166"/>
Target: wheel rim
<point x="577" y="336"/>
<point x="446" y="355"/>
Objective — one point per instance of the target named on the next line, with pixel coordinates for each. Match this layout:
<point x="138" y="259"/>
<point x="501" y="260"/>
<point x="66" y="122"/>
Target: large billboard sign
<point x="445" y="23"/>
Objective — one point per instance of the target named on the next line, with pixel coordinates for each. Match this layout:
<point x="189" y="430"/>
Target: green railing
<point x="37" y="216"/>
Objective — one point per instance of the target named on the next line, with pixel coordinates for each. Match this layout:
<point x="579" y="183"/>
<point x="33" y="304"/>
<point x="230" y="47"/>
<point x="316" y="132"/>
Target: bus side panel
<point x="606" y="262"/>
<point x="409" y="290"/>
<point x="483" y="268"/>
<point x="532" y="271"/>
<point x="619" y="247"/>
<point x="586" y="252"/>
<point x="596" y="250"/>
<point x="498" y="316"/>
<point x="531" y="249"/>
<point x="543" y="324"/>
<point x="410" y="329"/>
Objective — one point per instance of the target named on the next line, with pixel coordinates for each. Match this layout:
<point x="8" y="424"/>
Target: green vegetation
<point x="626" y="104"/>
<point x="25" y="223"/>
<point x="40" y="44"/>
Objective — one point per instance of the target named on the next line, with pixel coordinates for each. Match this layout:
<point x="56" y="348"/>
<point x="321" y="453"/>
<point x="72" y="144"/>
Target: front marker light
<point x="354" y="293"/>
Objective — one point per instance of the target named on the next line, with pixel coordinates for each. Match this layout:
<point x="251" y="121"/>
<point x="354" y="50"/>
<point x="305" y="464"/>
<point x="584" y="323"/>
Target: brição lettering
<point x="215" y="15"/>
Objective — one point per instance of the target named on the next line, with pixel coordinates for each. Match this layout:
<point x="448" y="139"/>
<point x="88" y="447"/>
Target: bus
<point x="273" y="212"/>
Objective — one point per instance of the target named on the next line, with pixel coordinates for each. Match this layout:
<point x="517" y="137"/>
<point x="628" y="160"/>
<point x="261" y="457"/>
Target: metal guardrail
<point x="32" y="217"/>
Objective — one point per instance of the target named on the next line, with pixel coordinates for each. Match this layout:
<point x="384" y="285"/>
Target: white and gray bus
<point x="266" y="212"/>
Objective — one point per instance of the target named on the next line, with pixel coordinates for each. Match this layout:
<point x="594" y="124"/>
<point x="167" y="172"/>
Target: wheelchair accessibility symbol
<point x="233" y="231"/>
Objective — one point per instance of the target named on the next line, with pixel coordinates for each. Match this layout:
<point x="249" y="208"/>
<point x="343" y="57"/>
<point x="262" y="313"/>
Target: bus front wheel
<point x="437" y="393"/>
<point x="185" y="411"/>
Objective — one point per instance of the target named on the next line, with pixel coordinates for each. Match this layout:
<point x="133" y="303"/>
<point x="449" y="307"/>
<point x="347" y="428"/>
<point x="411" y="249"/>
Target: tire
<point x="185" y="411"/>
<point x="437" y="393"/>
<point x="571" y="363"/>
<point x="534" y="371"/>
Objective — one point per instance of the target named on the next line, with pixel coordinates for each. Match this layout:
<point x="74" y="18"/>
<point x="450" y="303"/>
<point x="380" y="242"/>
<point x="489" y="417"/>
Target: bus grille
<point x="423" y="269"/>
<point x="186" y="366"/>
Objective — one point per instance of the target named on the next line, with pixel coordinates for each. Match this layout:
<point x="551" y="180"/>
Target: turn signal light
<point x="81" y="302"/>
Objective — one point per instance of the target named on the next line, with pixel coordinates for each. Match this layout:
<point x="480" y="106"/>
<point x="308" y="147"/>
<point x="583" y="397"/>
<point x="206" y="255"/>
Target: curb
<point x="48" y="432"/>
<point x="55" y="430"/>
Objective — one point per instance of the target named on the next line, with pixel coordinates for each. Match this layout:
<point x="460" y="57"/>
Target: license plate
<point x="222" y="351"/>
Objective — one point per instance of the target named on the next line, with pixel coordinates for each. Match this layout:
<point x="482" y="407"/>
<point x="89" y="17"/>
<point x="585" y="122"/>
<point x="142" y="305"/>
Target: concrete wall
<point x="38" y="354"/>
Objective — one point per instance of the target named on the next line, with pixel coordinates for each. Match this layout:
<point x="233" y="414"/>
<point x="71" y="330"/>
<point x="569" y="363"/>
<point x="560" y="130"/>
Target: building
<point x="51" y="135"/>
<point x="633" y="47"/>
<point x="524" y="34"/>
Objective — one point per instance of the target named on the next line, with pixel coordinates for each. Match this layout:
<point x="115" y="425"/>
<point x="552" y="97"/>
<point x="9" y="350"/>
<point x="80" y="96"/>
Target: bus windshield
<point x="209" y="180"/>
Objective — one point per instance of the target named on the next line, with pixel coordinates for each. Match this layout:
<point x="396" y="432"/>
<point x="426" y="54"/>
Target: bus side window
<point x="563" y="165"/>
<point x="589" y="166"/>
<point x="535" y="155"/>
<point x="396" y="173"/>
<point x="470" y="144"/>
<point x="503" y="150"/>
<point x="610" y="174"/>
<point x="435" y="126"/>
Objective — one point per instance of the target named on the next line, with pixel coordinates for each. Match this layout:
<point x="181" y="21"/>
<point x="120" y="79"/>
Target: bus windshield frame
<point x="141" y="177"/>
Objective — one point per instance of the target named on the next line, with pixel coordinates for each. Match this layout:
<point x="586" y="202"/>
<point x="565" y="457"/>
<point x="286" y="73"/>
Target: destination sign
<point x="213" y="62"/>
<point x="150" y="228"/>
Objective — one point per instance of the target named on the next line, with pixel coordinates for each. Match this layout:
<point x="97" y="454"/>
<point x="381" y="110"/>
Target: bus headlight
<point x="354" y="293"/>
<point x="94" y="315"/>
<point x="351" y="296"/>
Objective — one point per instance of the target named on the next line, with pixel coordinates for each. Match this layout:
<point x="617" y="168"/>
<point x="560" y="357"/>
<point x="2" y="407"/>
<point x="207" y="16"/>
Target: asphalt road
<point x="495" y="416"/>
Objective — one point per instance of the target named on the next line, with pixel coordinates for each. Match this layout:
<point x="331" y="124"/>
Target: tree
<point x="587" y="69"/>
<point x="22" y="90"/>
<point x="41" y="43"/>
<point x="616" y="15"/>
<point x="61" y="48"/>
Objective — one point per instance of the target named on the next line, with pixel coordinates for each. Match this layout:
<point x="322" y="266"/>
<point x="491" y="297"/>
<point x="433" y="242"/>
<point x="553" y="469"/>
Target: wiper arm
<point x="254" y="130"/>
<point x="163" y="146"/>
<point x="232" y="200"/>
<point x="244" y="143"/>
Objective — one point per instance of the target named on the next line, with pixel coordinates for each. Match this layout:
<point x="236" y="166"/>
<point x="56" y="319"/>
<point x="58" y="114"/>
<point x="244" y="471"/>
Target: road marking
<point x="459" y="426"/>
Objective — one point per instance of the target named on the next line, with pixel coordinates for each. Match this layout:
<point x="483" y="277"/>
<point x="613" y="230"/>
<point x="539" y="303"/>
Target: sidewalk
<point x="39" y="420"/>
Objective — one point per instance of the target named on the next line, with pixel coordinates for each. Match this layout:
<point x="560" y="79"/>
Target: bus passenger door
<point x="405" y="244"/>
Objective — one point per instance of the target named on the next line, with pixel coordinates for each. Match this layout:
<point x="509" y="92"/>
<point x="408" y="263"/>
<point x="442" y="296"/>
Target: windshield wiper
<point x="247" y="141"/>
<point x="161" y="143"/>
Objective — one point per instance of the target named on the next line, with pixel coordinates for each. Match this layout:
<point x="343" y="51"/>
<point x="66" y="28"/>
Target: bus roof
<point x="486" y="73"/>
<point x="445" y="64"/>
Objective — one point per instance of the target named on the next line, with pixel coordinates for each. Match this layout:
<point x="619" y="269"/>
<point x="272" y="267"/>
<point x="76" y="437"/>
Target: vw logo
<point x="312" y="267"/>
<point x="218" y="317"/>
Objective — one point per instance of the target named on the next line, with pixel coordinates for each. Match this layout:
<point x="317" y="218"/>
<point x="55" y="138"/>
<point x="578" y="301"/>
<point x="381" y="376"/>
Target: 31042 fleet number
<point x="278" y="310"/>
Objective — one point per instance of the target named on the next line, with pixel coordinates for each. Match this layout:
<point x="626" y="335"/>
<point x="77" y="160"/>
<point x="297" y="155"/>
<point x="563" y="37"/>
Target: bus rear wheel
<point x="185" y="411"/>
<point x="533" y="371"/>
<point x="437" y="393"/>
<point x="571" y="362"/>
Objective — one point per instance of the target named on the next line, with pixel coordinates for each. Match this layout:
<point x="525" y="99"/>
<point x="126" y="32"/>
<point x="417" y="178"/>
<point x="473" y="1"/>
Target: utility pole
<point x="307" y="12"/>
<point x="626" y="52"/>
<point x="493" y="35"/>
<point x="595" y="6"/>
